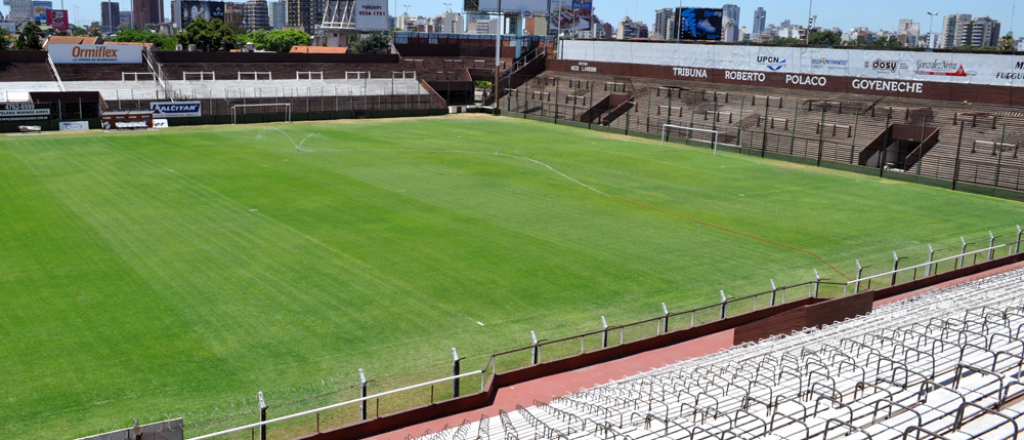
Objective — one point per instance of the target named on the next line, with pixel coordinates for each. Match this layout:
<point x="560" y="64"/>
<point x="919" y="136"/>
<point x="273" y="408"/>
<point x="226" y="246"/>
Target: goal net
<point x="689" y="134"/>
<point x="244" y="109"/>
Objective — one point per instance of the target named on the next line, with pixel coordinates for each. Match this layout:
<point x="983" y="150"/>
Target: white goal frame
<point x="714" y="133"/>
<point x="234" y="110"/>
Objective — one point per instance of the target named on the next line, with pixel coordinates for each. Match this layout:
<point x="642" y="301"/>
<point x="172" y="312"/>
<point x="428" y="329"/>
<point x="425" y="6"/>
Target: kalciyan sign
<point x="95" y="54"/>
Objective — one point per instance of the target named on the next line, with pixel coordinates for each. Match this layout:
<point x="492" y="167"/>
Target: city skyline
<point x="829" y="15"/>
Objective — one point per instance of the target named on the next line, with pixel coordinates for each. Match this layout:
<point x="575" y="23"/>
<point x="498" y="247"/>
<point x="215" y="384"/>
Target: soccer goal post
<point x="245" y="107"/>
<point x="666" y="129"/>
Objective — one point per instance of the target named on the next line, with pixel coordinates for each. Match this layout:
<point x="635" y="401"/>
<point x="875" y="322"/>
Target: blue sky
<point x="846" y="14"/>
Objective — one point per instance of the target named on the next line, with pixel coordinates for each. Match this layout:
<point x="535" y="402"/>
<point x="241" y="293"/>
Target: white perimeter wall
<point x="987" y="69"/>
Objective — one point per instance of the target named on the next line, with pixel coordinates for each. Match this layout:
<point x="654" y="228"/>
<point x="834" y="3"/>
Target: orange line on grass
<point x="721" y="228"/>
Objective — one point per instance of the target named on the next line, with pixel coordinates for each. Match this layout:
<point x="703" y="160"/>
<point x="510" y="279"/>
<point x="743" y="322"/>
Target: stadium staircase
<point x="522" y="70"/>
<point x="801" y="123"/>
<point x="896" y="147"/>
<point x="943" y="365"/>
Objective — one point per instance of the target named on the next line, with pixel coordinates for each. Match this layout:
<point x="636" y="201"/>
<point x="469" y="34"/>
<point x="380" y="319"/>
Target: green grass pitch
<point x="153" y="273"/>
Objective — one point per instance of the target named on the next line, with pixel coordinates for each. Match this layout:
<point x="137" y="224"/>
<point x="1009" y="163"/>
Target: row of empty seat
<point x="945" y="365"/>
<point x="790" y="122"/>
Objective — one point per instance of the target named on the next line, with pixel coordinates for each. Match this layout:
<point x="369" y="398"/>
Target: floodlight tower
<point x="931" y="35"/>
<point x="497" y="59"/>
<point x="810" y="20"/>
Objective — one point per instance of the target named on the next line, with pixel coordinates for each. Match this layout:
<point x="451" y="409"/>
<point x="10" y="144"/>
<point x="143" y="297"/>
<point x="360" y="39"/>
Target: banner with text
<point x="95" y="54"/>
<point x="74" y="126"/>
<point x="23" y="112"/>
<point x="371" y="15"/>
<point x="892" y="65"/>
<point x="570" y="15"/>
<point x="190" y="109"/>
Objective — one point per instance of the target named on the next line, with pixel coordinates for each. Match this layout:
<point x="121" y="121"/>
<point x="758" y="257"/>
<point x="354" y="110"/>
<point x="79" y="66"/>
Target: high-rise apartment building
<point x="234" y="13"/>
<point x="951" y="29"/>
<point x="663" y="23"/>
<point x="305" y="14"/>
<point x="451" y="23"/>
<point x="255" y="15"/>
<point x="276" y="12"/>
<point x="147" y="13"/>
<point x="627" y="29"/>
<point x="981" y="32"/>
<point x="908" y="32"/>
<point x="731" y="23"/>
<point x="110" y="16"/>
<point x="760" y="17"/>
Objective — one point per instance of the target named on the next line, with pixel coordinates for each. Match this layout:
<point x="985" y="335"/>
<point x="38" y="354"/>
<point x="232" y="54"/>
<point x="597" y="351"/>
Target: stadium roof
<point x="318" y="49"/>
<point x="62" y="39"/>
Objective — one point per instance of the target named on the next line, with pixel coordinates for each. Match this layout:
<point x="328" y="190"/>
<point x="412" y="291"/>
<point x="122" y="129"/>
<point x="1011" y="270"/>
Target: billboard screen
<point x="39" y="10"/>
<point x="698" y="24"/>
<point x="534" y="6"/>
<point x="191" y="10"/>
<point x="58" y="19"/>
<point x="371" y="15"/>
<point x="571" y="15"/>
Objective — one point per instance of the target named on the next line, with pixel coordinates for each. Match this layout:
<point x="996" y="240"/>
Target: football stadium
<point x="546" y="238"/>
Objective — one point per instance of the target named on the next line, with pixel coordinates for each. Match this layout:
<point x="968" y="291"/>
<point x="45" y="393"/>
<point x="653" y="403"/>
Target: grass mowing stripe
<point x="734" y="232"/>
<point x="385" y="261"/>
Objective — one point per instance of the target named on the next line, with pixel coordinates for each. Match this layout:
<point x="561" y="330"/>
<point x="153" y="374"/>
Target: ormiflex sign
<point x="95" y="54"/>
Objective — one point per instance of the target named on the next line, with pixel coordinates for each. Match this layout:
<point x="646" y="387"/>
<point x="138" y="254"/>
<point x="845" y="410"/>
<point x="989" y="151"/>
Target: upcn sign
<point x="95" y="54"/>
<point x="190" y="109"/>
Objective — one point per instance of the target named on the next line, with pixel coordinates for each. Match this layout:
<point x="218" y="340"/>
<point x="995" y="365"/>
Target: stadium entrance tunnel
<point x="454" y="92"/>
<point x="900" y="146"/>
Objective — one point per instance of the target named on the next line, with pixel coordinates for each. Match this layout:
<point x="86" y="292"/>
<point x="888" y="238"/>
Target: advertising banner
<point x="571" y="15"/>
<point x="39" y="10"/>
<point x="190" y="109"/>
<point x="160" y="123"/>
<point x="698" y="24"/>
<point x="535" y="6"/>
<point x="74" y="126"/>
<point x="191" y="10"/>
<point x="95" y="54"/>
<point x="371" y="15"/>
<point x="216" y="10"/>
<point x="878" y="67"/>
<point x="58" y="19"/>
<point x="23" y="112"/>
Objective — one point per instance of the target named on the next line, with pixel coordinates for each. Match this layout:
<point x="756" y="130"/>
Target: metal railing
<point x="934" y="266"/>
<point x="158" y="72"/>
<point x="56" y="74"/>
<point x="608" y="336"/>
<point x="318" y="411"/>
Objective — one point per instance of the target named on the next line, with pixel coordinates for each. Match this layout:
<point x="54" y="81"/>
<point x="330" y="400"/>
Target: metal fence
<point x="310" y="408"/>
<point x="975" y="146"/>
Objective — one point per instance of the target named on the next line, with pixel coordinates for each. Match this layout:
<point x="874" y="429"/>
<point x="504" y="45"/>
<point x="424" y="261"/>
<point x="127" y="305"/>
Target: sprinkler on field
<point x="298" y="147"/>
